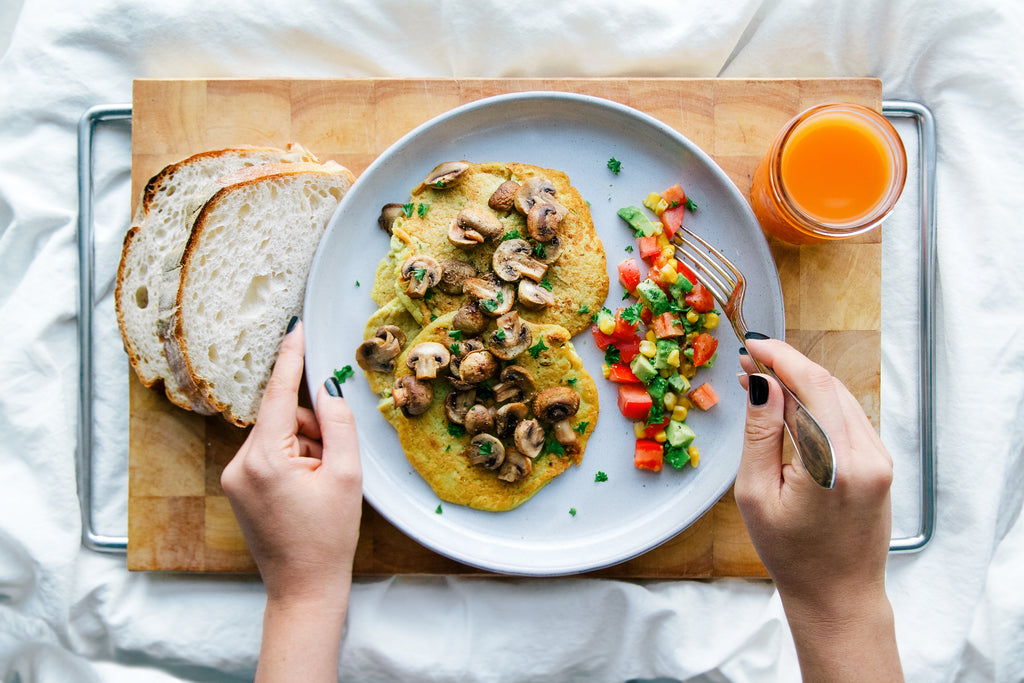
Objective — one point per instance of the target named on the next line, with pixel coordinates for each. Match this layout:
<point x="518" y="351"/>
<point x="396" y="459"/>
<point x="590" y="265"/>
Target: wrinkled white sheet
<point x="68" y="614"/>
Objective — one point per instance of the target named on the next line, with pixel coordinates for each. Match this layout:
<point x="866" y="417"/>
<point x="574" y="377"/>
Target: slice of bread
<point x="243" y="276"/>
<point x="154" y="245"/>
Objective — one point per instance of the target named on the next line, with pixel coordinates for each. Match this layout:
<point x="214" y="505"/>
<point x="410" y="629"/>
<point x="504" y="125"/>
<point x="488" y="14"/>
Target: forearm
<point x="854" y="643"/>
<point x="300" y="642"/>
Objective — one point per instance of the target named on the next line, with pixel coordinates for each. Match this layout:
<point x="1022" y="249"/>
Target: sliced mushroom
<point x="461" y="349"/>
<point x="529" y="438"/>
<point x="513" y="259"/>
<point x="422" y="272"/>
<point x="516" y="385"/>
<point x="543" y="220"/>
<point x="426" y="358"/>
<point x="555" y="406"/>
<point x="444" y="175"/>
<point x="504" y="197"/>
<point x="470" y="319"/>
<point x="548" y="252"/>
<point x="516" y="467"/>
<point x="477" y="366"/>
<point x="494" y="297"/>
<point x="532" y="191"/>
<point x="411" y="395"/>
<point x="389" y="213"/>
<point x="486" y="450"/>
<point x="473" y="226"/>
<point x="507" y="417"/>
<point x="533" y="296"/>
<point x="479" y="419"/>
<point x="378" y="353"/>
<point x="453" y="274"/>
<point x="511" y="338"/>
<point x="457" y="405"/>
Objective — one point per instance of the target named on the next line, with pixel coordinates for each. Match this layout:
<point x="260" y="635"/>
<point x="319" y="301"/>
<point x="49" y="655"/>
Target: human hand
<point x="295" y="486"/>
<point x="825" y="549"/>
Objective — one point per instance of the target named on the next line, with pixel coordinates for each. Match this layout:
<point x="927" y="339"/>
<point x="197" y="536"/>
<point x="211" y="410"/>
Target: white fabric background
<point x="67" y="614"/>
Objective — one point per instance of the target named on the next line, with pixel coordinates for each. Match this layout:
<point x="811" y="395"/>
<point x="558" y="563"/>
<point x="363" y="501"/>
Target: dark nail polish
<point x="333" y="386"/>
<point x="743" y="350"/>
<point x="758" y="389"/>
<point x="756" y="335"/>
<point x="292" y="323"/>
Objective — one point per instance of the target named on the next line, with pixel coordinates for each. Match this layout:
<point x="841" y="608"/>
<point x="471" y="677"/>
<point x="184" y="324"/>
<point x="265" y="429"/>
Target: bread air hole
<point x="142" y="297"/>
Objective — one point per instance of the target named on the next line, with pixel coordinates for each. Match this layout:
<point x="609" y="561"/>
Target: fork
<point x="727" y="284"/>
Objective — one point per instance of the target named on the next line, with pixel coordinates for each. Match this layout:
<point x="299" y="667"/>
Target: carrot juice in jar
<point x="834" y="171"/>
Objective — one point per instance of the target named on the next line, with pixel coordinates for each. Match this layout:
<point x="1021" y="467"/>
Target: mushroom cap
<point x="486" y="450"/>
<point x="543" y="221"/>
<point x="411" y="395"/>
<point x="508" y="416"/>
<point x="472" y="226"/>
<point x="479" y="419"/>
<point x="378" y="353"/>
<point x="555" y="404"/>
<point x="494" y="297"/>
<point x="457" y="404"/>
<point x="422" y="272"/>
<point x="533" y="296"/>
<point x="516" y="385"/>
<point x="548" y="252"/>
<point x="516" y="467"/>
<point x="453" y="274"/>
<point x="503" y="198"/>
<point x="513" y="259"/>
<point x="444" y="175"/>
<point x="388" y="214"/>
<point x="533" y="190"/>
<point x="511" y="337"/>
<point x="470" y="319"/>
<point x="426" y="358"/>
<point x="529" y="438"/>
<point x="477" y="366"/>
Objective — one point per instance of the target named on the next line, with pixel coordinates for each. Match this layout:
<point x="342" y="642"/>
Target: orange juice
<point x="834" y="171"/>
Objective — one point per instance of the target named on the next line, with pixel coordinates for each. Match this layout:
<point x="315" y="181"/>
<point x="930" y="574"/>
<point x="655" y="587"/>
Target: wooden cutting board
<point x="178" y="517"/>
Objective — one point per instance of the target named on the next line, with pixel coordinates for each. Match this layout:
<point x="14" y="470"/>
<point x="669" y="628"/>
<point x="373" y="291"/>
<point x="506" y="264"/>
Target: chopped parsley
<point x="540" y="251"/>
<point x="545" y="284"/>
<point x="612" y="355"/>
<point x="629" y="248"/>
<point x="600" y="476"/>
<point x="614" y="165"/>
<point x="631" y="314"/>
<point x="584" y="309"/>
<point x="455" y="334"/>
<point x="572" y="381"/>
<point x="538" y="347"/>
<point x="691" y="205"/>
<point x="510" y="235"/>
<point x="454" y="348"/>
<point x="486" y="447"/>
<point x="419" y="273"/>
<point x="673" y="204"/>
<point x="408" y="208"/>
<point x="582" y="427"/>
<point x="626" y="294"/>
<point x="422" y="210"/>
<point x="438" y="509"/>
<point x="552" y="446"/>
<point x="656" y="414"/>
<point x="357" y="283"/>
<point x="343" y="374"/>
<point x="572" y="512"/>
<point x="500" y="335"/>
<point x="490" y="304"/>
<point x="455" y="429"/>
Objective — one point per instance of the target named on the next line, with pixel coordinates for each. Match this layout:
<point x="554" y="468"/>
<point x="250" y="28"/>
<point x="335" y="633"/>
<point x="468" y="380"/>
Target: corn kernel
<point x="673" y="358"/>
<point x="666" y="372"/>
<point x="711" y="321"/>
<point x="650" y="336"/>
<point x="662" y="205"/>
<point x="607" y="325"/>
<point x="669" y="399"/>
<point x="694" y="455"/>
<point x="688" y="371"/>
<point x="679" y="412"/>
<point x="691" y="336"/>
<point x="606" y="370"/>
<point x="639" y="429"/>
<point x="692" y="316"/>
<point x="663" y="241"/>
<point x="648" y="348"/>
<point x="652" y="200"/>
<point x="661" y="437"/>
<point x="668" y="252"/>
<point x="669" y="273"/>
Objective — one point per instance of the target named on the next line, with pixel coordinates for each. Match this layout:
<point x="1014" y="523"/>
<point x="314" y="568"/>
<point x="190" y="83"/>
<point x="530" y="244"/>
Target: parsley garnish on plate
<point x="600" y="476"/>
<point x="510" y="235"/>
<point x="691" y="205"/>
<point x="631" y="314"/>
<point x="419" y="273"/>
<point x="572" y="512"/>
<point x="343" y="374"/>
<point x="438" y="510"/>
<point x="614" y="165"/>
<point x="545" y="284"/>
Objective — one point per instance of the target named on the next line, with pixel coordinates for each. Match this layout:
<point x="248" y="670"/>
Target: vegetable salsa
<point x="655" y="346"/>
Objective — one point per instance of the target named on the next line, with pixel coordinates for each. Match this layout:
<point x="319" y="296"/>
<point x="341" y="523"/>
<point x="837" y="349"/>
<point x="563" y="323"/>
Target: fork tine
<point x="721" y="259"/>
<point x="720" y="290"/>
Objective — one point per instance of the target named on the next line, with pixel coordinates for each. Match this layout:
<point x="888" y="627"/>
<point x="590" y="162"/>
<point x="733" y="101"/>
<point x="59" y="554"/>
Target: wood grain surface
<point x="178" y="517"/>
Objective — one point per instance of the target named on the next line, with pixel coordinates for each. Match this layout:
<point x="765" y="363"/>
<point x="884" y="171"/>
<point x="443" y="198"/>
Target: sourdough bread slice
<point x="243" y="276"/>
<point x="154" y="245"/>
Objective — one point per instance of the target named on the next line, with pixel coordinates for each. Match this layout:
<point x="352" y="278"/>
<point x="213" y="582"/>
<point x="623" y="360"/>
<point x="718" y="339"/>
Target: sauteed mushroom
<point x="532" y="191"/>
<point x="411" y="395"/>
<point x="470" y="319"/>
<point x="543" y="220"/>
<point x="486" y="450"/>
<point x="421" y="272"/>
<point x="507" y="417"/>
<point x="479" y="419"/>
<point x="453" y="274"/>
<point x="494" y="297"/>
<point x="388" y="214"/>
<point x="426" y="358"/>
<point x="513" y="259"/>
<point x="472" y="226"/>
<point x="511" y="338"/>
<point x="556" y="405"/>
<point x="477" y="366"/>
<point x="534" y="296"/>
<point x="444" y="175"/>
<point x="378" y="353"/>
<point x="529" y="438"/>
<point x="504" y="197"/>
<point x="516" y="385"/>
<point x="516" y="467"/>
<point x="457" y="405"/>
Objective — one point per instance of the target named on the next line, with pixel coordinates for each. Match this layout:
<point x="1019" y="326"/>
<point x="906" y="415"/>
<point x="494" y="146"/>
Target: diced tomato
<point x="672" y="219"/>
<point x="667" y="325"/>
<point x="624" y="331"/>
<point x="651" y="430"/>
<point x="674" y="194"/>
<point x="629" y="274"/>
<point x="703" y="396"/>
<point x="621" y="374"/>
<point x="700" y="299"/>
<point x="704" y="346"/>
<point x="686" y="272"/>
<point x="634" y="401"/>
<point x="628" y="349"/>
<point x="649" y="455"/>
<point x="648" y="246"/>
<point x="600" y="338"/>
<point x="646" y="315"/>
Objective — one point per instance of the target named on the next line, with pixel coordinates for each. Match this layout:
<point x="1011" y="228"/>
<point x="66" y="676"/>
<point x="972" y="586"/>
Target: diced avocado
<point x="665" y="347"/>
<point x="679" y="289"/>
<point x="657" y="388"/>
<point x="679" y="384"/>
<point x="679" y="433"/>
<point x="677" y="456"/>
<point x="638" y="220"/>
<point x="643" y="368"/>
<point x="652" y="296"/>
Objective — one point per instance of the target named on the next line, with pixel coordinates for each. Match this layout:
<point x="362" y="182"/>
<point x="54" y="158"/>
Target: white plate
<point x="633" y="511"/>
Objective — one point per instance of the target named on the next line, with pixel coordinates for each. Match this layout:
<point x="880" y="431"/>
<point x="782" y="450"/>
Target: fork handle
<point x="810" y="440"/>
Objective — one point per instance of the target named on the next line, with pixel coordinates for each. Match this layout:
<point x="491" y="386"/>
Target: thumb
<point x="761" y="464"/>
<point x="338" y="432"/>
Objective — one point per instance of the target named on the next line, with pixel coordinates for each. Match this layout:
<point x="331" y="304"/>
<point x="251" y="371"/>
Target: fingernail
<point x="333" y="387"/>
<point x="758" y="388"/>
<point x="292" y="323"/>
<point x="743" y="350"/>
<point x="756" y="335"/>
